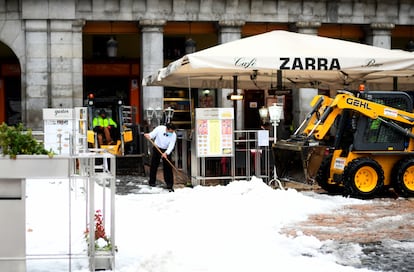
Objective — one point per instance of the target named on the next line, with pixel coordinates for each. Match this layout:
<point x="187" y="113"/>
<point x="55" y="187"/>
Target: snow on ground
<point x="218" y="228"/>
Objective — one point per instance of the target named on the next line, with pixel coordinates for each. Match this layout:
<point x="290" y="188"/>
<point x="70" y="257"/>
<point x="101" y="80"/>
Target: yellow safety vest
<point x="103" y="122"/>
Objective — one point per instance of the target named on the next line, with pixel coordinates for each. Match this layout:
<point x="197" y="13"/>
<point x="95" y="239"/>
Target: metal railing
<point x="90" y="186"/>
<point x="249" y="159"/>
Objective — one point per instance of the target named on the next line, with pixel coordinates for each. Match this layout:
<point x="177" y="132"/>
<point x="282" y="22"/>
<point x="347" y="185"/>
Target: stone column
<point x="303" y="96"/>
<point x="152" y="59"/>
<point x="37" y="78"/>
<point x="77" y="64"/>
<point x="380" y="35"/>
<point x="65" y="64"/>
<point x="231" y="31"/>
<point x="53" y="67"/>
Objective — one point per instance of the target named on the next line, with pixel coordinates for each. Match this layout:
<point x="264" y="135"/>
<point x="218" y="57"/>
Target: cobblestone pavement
<point x="383" y="228"/>
<point x="377" y="220"/>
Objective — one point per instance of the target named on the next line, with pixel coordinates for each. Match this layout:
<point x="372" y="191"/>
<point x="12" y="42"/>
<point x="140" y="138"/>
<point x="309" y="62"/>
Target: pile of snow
<point x="221" y="228"/>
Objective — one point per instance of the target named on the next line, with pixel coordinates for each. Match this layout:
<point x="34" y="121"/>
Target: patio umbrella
<point x="304" y="60"/>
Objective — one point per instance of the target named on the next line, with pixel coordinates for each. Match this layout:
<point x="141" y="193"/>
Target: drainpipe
<point x="49" y="66"/>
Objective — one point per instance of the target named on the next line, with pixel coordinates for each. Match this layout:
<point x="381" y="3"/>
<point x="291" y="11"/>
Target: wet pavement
<point x="128" y="184"/>
<point x="138" y="183"/>
<point x="388" y="255"/>
<point x="383" y="229"/>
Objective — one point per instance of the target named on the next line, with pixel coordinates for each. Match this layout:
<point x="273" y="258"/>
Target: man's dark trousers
<point x="167" y="169"/>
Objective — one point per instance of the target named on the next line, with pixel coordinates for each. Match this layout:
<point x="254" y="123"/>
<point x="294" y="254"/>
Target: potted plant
<point x="24" y="157"/>
<point x="103" y="247"/>
<point x="15" y="140"/>
<point x="32" y="161"/>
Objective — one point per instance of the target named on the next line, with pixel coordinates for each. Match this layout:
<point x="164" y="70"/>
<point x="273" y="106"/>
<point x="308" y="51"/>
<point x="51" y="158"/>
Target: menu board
<point x="214" y="132"/>
<point x="65" y="130"/>
<point x="58" y="129"/>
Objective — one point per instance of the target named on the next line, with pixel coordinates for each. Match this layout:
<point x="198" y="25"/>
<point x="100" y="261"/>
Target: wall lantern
<point x="148" y="112"/>
<point x="158" y="114"/>
<point x="169" y="113"/>
<point x="152" y="113"/>
<point x="235" y="97"/>
<point x="410" y="46"/>
<point x="112" y="47"/>
<point x="190" y="46"/>
<point x="275" y="113"/>
<point x="263" y="112"/>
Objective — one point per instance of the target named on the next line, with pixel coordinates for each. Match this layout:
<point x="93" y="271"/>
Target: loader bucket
<point x="297" y="161"/>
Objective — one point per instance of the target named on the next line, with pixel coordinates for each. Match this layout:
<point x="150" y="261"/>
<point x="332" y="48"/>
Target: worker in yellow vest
<point x="102" y="125"/>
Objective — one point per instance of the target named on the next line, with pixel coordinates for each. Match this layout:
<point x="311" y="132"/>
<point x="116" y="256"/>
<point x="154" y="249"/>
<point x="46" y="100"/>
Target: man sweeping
<point x="164" y="142"/>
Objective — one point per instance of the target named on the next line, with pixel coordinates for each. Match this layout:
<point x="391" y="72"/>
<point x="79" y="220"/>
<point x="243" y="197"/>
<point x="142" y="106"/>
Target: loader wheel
<point x="323" y="174"/>
<point x="363" y="178"/>
<point x="405" y="177"/>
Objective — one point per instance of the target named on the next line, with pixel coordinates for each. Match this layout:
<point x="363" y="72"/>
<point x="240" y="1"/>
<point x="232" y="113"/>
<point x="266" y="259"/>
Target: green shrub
<point x="14" y="140"/>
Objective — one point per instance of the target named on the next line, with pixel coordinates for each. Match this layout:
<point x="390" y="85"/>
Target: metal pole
<point x="233" y="161"/>
<point x="395" y="83"/>
<point x="235" y="101"/>
<point x="275" y="177"/>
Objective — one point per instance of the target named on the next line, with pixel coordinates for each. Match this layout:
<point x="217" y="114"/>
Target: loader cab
<point x="110" y="105"/>
<point x="373" y="134"/>
<point x="126" y="133"/>
<point x="356" y="132"/>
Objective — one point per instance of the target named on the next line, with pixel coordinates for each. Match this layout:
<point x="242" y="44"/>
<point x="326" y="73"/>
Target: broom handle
<point x="172" y="165"/>
<point x="159" y="150"/>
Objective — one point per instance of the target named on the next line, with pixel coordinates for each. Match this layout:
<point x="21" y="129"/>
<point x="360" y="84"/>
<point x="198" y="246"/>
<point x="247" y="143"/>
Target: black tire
<point x="363" y="178"/>
<point x="323" y="175"/>
<point x="404" y="182"/>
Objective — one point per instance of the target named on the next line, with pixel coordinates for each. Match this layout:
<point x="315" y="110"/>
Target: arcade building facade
<point x="54" y="53"/>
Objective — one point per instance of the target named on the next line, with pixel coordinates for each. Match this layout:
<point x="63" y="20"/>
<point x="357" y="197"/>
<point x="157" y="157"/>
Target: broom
<point x="184" y="178"/>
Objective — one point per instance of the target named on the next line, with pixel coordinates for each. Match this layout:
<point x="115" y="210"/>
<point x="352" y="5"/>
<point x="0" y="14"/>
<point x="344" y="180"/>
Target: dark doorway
<point x="13" y="100"/>
<point x="253" y="101"/>
<point x="10" y="87"/>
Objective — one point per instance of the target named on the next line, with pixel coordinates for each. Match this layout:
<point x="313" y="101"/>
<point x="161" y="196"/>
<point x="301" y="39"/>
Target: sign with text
<point x="214" y="132"/>
<point x="65" y="130"/>
<point x="58" y="130"/>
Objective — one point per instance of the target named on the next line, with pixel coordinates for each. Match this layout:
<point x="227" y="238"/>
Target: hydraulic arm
<point x="325" y="110"/>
